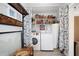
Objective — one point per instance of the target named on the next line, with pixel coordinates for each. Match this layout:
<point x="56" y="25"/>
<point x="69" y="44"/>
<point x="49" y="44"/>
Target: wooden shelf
<point x="9" y="21"/>
<point x="19" y="8"/>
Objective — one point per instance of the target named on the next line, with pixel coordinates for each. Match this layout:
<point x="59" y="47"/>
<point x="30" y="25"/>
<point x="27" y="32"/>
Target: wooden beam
<point x="9" y="21"/>
<point x="19" y="8"/>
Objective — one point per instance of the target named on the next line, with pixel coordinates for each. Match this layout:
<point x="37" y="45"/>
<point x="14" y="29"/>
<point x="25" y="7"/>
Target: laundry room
<point x="43" y="30"/>
<point x="44" y="24"/>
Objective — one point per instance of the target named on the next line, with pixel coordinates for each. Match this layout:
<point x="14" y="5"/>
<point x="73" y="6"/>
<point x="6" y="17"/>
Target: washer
<point x="36" y="41"/>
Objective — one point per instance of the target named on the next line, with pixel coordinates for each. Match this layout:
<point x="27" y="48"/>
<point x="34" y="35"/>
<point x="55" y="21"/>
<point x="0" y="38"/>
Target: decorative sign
<point x="42" y="27"/>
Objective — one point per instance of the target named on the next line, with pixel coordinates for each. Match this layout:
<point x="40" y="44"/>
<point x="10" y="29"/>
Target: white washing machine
<point x="36" y="38"/>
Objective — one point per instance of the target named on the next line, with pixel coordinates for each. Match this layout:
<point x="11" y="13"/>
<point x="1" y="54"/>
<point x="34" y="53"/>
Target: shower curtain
<point x="64" y="28"/>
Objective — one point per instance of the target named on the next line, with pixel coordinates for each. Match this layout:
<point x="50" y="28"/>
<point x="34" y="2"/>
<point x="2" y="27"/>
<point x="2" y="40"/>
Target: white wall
<point x="72" y="12"/>
<point x="6" y="28"/>
<point x="2" y="9"/>
<point x="9" y="43"/>
<point x="43" y="10"/>
<point x="71" y="32"/>
<point x="49" y="37"/>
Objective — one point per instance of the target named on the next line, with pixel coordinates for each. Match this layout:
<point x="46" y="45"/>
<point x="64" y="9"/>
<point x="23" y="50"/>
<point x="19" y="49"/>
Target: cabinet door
<point x="19" y="16"/>
<point x="76" y="28"/>
<point x="12" y="12"/>
<point x="76" y="33"/>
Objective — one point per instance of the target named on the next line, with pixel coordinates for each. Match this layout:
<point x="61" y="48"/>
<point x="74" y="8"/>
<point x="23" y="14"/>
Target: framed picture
<point x="42" y="27"/>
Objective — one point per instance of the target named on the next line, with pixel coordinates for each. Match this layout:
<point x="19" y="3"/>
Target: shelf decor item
<point x="37" y="16"/>
<point x="43" y="19"/>
<point x="38" y="22"/>
<point x="50" y="19"/>
<point x="33" y="21"/>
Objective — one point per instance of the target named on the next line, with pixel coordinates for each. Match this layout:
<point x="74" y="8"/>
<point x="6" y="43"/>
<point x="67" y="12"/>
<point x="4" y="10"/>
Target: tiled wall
<point x="64" y="25"/>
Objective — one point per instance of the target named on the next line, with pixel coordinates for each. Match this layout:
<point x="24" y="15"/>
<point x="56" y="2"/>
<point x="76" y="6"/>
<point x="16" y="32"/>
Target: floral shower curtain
<point x="27" y="30"/>
<point x="64" y="28"/>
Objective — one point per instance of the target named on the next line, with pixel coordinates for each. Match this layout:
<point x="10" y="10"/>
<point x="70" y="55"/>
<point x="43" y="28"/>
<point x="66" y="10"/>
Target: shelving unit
<point x="41" y="21"/>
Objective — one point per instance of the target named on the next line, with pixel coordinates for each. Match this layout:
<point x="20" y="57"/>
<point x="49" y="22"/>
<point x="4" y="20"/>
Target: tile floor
<point x="48" y="53"/>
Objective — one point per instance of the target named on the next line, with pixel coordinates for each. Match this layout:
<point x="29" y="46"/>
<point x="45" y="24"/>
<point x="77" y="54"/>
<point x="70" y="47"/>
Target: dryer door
<point x="34" y="41"/>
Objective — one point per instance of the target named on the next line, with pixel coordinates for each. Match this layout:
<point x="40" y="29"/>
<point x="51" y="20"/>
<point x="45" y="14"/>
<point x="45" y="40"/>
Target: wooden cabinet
<point x="76" y="35"/>
<point x="76" y="28"/>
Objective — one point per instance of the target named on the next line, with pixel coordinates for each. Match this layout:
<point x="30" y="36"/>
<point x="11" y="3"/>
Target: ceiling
<point x="43" y="7"/>
<point x="43" y="4"/>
